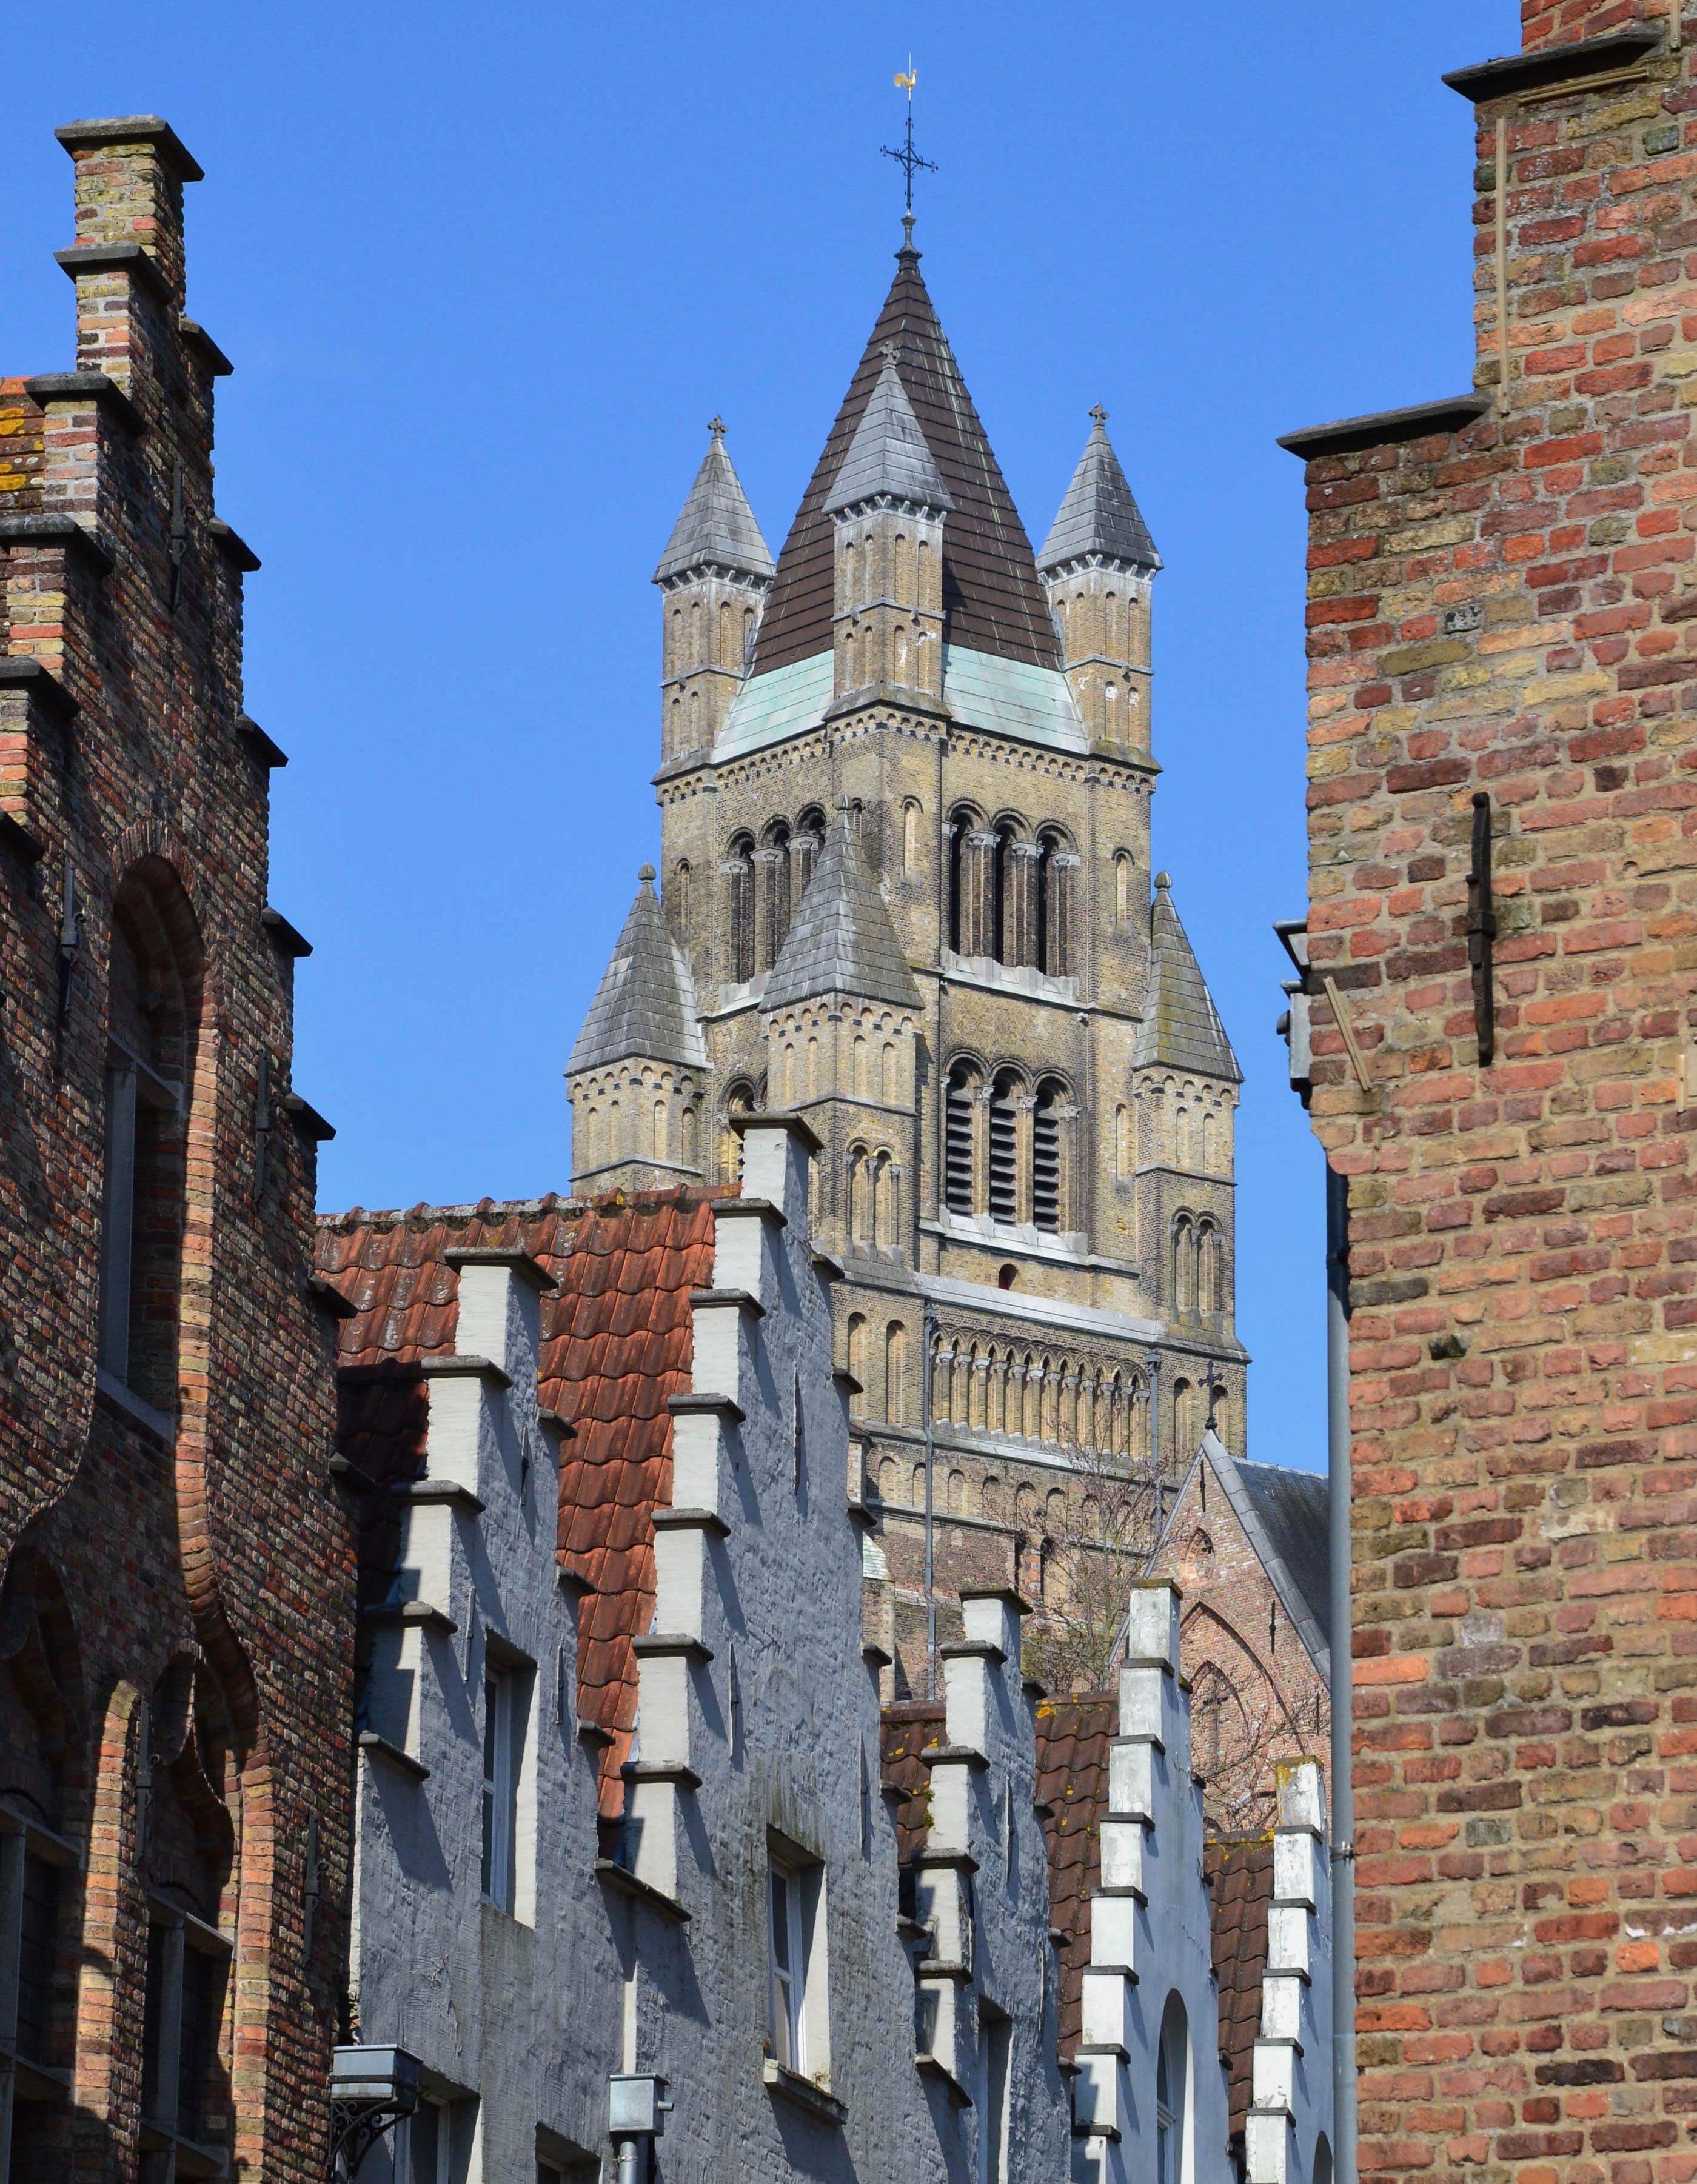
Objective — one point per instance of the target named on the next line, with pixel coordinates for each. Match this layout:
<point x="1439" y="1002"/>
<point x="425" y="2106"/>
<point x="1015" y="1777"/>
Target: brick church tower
<point x="176" y="1578"/>
<point x="909" y="893"/>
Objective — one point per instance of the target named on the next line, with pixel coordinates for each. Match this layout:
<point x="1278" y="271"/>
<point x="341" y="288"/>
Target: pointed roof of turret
<point x="888" y="453"/>
<point x="841" y="940"/>
<point x="716" y="525"/>
<point x="1180" y="1027"/>
<point x="1099" y="513"/>
<point x="645" y="1003"/>
<point x="992" y="595"/>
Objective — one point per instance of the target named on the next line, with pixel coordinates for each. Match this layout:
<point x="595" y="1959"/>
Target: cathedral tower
<point x="905" y="787"/>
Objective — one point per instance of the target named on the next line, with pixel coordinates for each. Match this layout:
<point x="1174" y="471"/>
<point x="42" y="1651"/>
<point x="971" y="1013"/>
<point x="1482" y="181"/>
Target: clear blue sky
<point x="486" y="274"/>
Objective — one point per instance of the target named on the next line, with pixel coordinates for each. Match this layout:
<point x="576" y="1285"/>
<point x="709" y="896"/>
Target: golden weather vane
<point x="907" y="158"/>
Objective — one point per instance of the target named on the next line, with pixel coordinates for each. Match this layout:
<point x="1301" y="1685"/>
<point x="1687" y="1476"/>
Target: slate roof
<point x="1180" y="1027"/>
<point x="1241" y="1875"/>
<point x="617" y="1341"/>
<point x="992" y="595"/>
<point x="840" y="940"/>
<point x="1295" y="1510"/>
<point x="1074" y="1735"/>
<point x="715" y="526"/>
<point x="1098" y="513"/>
<point x="645" y="1003"/>
<point x="888" y="453"/>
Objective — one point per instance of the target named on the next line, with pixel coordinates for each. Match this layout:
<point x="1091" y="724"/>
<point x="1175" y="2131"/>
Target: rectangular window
<point x="507" y="1691"/>
<point x="188" y="1963"/>
<point x="438" y="2144"/>
<point x="789" y="1961"/>
<point x="995" y="2045"/>
<point x="798" y="1986"/>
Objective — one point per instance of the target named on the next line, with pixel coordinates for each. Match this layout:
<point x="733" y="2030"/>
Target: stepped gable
<point x="1099" y="516"/>
<point x="840" y="940"/>
<point x="1180" y="1027"/>
<point x="716" y="528"/>
<point x="992" y="596"/>
<point x="617" y="1341"/>
<point x="645" y="1003"/>
<point x="1240" y="1875"/>
<point x="1073" y="1738"/>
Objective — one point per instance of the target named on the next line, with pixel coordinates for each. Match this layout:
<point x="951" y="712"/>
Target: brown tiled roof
<point x="910" y="1727"/>
<point x="992" y="595"/>
<point x="1073" y="1740"/>
<point x="616" y="1343"/>
<point x="1240" y="1874"/>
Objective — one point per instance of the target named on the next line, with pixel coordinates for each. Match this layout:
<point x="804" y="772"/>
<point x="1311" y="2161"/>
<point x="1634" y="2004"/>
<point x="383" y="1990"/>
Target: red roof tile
<point x="1073" y="1740"/>
<point x="910" y="1727"/>
<point x="616" y="1343"/>
<point x="1241" y="1875"/>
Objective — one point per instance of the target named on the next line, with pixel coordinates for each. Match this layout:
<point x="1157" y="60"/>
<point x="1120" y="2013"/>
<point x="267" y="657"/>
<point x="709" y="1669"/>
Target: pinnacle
<point x="716" y="528"/>
<point x="1098" y="515"/>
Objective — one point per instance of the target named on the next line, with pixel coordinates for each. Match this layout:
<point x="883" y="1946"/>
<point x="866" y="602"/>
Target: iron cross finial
<point x="1098" y="414"/>
<point x="715" y="426"/>
<point x="907" y="158"/>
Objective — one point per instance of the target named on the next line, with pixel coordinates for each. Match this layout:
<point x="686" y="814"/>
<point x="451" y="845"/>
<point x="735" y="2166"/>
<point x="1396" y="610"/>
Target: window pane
<point x="153" y="2015"/>
<point x="202" y="1990"/>
<point x="38" y="1931"/>
<point x="425" y="2137"/>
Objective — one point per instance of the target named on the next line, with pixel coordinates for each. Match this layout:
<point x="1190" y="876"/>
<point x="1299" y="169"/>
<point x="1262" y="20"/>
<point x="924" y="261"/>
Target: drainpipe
<point x="928" y="1325"/>
<point x="1342" y="1790"/>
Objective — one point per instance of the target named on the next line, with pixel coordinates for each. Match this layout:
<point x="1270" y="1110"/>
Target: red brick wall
<point x="215" y="1548"/>
<point x="1559" y="22"/>
<point x="1524" y="1259"/>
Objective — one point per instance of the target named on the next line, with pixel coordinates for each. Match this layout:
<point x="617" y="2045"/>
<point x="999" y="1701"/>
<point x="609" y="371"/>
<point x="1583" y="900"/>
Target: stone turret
<point x="842" y="1016"/>
<point x="715" y="574"/>
<point x="638" y="1075"/>
<point x="888" y="507"/>
<point x="1099" y="563"/>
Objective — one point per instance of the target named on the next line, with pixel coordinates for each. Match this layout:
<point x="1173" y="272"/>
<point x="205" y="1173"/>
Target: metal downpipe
<point x="1343" y="2130"/>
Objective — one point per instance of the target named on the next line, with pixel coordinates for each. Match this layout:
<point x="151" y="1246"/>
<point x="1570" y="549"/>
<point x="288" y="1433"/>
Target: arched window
<point x="918" y="1486"/>
<point x="1055" y="863"/>
<point x="1207" y="1267"/>
<point x="1184" y="1264"/>
<point x="1005" y="899"/>
<point x="883" y="1217"/>
<point x="1025" y="1508"/>
<point x="154" y="1008"/>
<point x="805" y="845"/>
<point x="862" y="1067"/>
<point x="738" y="872"/>
<point x="990" y="1499"/>
<point x="889" y="1480"/>
<point x="960" y="826"/>
<point x="957" y="1493"/>
<point x="1209" y="1131"/>
<point x="911" y="815"/>
<point x="1172" y="2097"/>
<point x="1123" y="1157"/>
<point x="772" y="901"/>
<point x="662" y="1134"/>
<point x="1055" y="1514"/>
<point x="1123" y="869"/>
<point x="896" y="1373"/>
<point x="959" y="1098"/>
<point x="739" y="1100"/>
<point x="1004" y="1137"/>
<point x="892" y="1074"/>
<point x="860" y="1195"/>
<point x="856" y="1355"/>
<point x="691" y="1149"/>
<point x="1045" y="1156"/>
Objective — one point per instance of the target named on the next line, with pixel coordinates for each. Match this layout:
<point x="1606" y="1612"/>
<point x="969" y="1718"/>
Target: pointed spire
<point x="841" y="940"/>
<point x="889" y="454"/>
<point x="996" y="599"/>
<point x="645" y="1004"/>
<point x="717" y="527"/>
<point x="1098" y="515"/>
<point x="1180" y="1027"/>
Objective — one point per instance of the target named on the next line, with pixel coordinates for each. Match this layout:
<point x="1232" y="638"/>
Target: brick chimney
<point x="1561" y="22"/>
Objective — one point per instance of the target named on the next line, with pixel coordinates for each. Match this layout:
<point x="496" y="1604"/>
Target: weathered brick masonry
<point x="176" y="1647"/>
<point x="1502" y="602"/>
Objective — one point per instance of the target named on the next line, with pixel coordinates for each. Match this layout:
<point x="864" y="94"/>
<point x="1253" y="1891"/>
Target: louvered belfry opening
<point x="1004" y="1136"/>
<point x="957" y="1141"/>
<point x="1046" y="1160"/>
